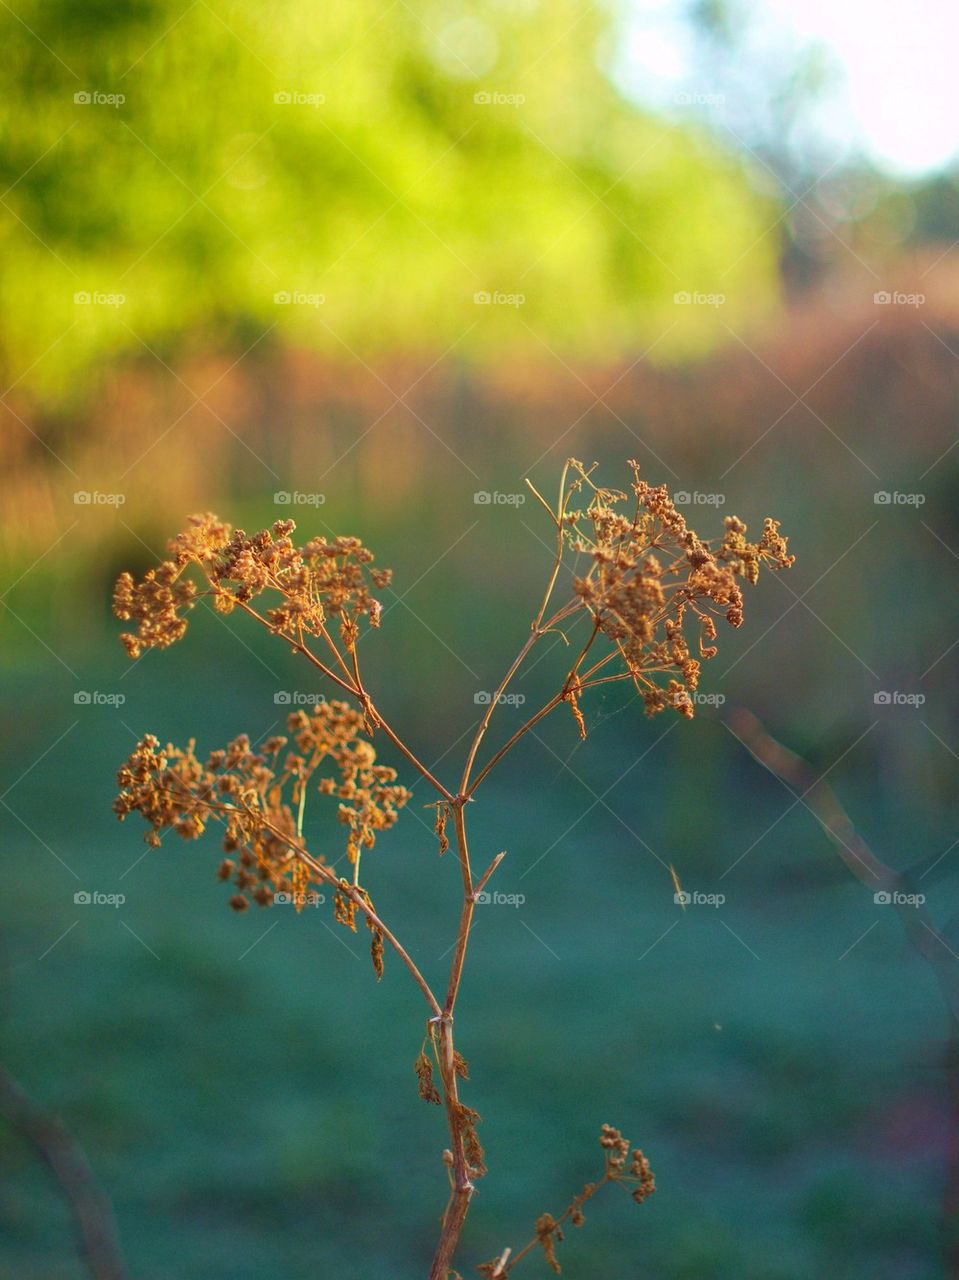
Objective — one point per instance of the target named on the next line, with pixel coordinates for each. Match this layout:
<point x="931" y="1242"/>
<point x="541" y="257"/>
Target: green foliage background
<point x="397" y="197"/>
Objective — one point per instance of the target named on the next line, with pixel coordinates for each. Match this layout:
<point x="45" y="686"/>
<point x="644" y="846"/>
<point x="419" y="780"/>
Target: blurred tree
<point x="395" y="160"/>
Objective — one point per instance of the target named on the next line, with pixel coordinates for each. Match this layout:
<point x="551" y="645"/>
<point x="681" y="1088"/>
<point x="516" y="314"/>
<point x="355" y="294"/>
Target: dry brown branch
<point x="647" y="575"/>
<point x="922" y="933"/>
<point x="870" y="870"/>
<point x="64" y="1157"/>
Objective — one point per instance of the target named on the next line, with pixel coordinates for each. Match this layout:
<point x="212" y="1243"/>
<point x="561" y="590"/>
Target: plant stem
<point x="352" y="687"/>
<point x="466" y="913"/>
<point x="69" y="1166"/>
<point x="353" y="892"/>
<point x="536" y="629"/>
<point x="367" y="701"/>
<point x="461" y="1194"/>
<point x="554" y="701"/>
<point x="518" y="661"/>
<point x="558" y="559"/>
<point x="404" y="750"/>
<point x="356" y="897"/>
<point x="591" y="1188"/>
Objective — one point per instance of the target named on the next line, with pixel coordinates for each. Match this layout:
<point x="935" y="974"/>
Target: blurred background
<point x="371" y="265"/>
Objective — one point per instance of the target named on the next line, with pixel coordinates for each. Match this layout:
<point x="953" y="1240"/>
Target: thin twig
<point x="68" y="1164"/>
<point x="353" y="892"/>
<point x="481" y="883"/>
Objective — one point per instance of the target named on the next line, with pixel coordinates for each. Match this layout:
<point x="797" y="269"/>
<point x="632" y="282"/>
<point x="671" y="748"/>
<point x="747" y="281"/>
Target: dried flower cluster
<point x="636" y="1176"/>
<point x="647" y="575"/>
<point x="322" y="579"/>
<point x="259" y="797"/>
<point x="649" y="571"/>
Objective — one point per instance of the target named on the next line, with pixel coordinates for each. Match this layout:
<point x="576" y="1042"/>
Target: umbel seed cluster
<point x="630" y="588"/>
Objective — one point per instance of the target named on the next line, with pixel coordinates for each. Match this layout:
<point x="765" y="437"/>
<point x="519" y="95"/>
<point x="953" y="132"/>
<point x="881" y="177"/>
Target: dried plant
<point x="636" y="1177"/>
<point x="640" y="574"/>
<point x="66" y="1160"/>
<point x="888" y="886"/>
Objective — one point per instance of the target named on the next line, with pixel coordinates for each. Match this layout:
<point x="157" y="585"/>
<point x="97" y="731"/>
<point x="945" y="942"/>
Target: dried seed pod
<point x="424" y="1074"/>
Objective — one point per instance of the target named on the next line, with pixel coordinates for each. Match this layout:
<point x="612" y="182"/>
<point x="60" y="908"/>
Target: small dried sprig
<point x="377" y="949"/>
<point x="424" y="1074"/>
<point x="646" y="576"/>
<point x="627" y="1169"/>
<point x="475" y="1155"/>
<point x="439" y="826"/>
<point x="255" y="794"/>
<point x="648" y="573"/>
<point x="324" y="578"/>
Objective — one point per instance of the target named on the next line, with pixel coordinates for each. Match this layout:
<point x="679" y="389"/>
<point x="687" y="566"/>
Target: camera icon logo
<point x="282" y="498"/>
<point x="483" y="898"/>
<point x="482" y="699"/>
<point x="683" y="298"/>
<point x="883" y="298"/>
<point x="482" y="299"/>
<point x="82" y="898"/>
<point x="882" y="498"/>
<point x="282" y="899"/>
<point x="482" y="498"/>
<point x="83" y="98"/>
<point x="682" y="898"/>
<point x="283" y="298"/>
<point x="282" y="99"/>
<point x="682" y="498"/>
<point x="882" y="898"/>
<point x="82" y="498"/>
<point x="882" y="699"/>
<point x="482" y="98"/>
<point x="282" y="698"/>
<point x="82" y="698"/>
<point x="82" y="299"/>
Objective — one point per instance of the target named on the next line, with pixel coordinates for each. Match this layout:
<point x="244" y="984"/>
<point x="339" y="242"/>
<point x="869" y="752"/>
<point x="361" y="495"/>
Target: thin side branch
<point x="65" y="1158"/>
<point x="869" y="869"/>
<point x="353" y="687"/>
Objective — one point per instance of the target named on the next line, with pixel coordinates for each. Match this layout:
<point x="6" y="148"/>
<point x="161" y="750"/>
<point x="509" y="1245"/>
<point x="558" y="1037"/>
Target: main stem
<point x="462" y="1187"/>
